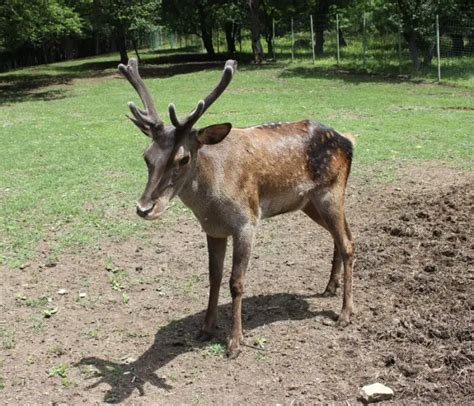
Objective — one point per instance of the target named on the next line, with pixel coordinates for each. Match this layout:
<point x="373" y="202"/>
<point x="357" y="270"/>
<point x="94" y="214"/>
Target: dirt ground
<point x="130" y="338"/>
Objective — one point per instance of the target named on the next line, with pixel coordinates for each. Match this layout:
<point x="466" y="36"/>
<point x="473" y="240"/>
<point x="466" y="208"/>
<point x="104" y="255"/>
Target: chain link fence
<point x="366" y="45"/>
<point x="361" y="44"/>
<point x="163" y="38"/>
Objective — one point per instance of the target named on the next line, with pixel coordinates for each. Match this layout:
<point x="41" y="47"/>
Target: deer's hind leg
<point x="335" y="278"/>
<point x="329" y="204"/>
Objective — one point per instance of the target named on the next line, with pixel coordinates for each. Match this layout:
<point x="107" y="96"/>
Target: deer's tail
<point x="350" y="137"/>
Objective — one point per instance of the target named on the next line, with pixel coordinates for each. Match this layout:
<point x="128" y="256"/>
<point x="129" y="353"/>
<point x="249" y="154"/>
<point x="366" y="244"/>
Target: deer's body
<point x="233" y="178"/>
<point x="262" y="171"/>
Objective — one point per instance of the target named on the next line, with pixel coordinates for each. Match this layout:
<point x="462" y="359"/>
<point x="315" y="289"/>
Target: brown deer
<point x="231" y="178"/>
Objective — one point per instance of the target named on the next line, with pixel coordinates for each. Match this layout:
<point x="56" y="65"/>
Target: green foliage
<point x="216" y="349"/>
<point x="37" y="22"/>
<point x="124" y="15"/>
<point x="61" y="370"/>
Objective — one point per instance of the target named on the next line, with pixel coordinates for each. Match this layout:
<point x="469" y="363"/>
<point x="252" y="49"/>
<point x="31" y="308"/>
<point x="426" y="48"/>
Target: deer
<point x="233" y="178"/>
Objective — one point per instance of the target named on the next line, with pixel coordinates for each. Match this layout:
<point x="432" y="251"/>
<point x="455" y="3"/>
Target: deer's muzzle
<point x="143" y="212"/>
<point x="150" y="211"/>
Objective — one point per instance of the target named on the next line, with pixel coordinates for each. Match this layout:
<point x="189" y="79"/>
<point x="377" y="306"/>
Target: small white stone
<point x="62" y="292"/>
<point x="375" y="393"/>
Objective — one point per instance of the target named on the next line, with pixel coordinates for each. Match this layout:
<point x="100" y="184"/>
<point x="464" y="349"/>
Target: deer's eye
<point x="184" y="160"/>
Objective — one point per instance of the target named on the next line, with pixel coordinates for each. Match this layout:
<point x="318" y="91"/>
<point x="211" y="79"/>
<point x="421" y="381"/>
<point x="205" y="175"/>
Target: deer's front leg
<point x="240" y="261"/>
<point x="216" y="248"/>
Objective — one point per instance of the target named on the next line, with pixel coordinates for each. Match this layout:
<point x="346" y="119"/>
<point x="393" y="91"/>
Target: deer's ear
<point x="213" y="134"/>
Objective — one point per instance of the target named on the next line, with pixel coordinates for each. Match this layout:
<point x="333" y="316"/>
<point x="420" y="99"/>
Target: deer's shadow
<point x="177" y="338"/>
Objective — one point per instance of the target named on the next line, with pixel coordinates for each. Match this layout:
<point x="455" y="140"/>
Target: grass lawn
<point x="71" y="165"/>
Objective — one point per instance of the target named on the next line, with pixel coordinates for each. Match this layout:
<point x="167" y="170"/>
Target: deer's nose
<point x="143" y="211"/>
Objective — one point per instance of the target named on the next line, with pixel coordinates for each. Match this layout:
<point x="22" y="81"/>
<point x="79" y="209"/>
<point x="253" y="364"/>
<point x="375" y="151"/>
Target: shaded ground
<point x="29" y="84"/>
<point x="130" y="339"/>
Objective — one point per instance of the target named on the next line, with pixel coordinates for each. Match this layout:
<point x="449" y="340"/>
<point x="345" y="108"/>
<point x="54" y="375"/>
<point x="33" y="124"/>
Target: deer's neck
<point x="197" y="189"/>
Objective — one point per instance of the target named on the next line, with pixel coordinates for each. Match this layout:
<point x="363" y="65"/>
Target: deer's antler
<point x="146" y="120"/>
<point x="229" y="70"/>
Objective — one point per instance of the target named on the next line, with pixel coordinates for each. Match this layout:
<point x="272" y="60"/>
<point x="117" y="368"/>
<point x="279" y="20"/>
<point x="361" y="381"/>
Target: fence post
<point x="312" y="37"/>
<point x="399" y="46"/>
<point x="337" y="39"/>
<point x="273" y="38"/>
<point x="438" y="50"/>
<point x="364" y="39"/>
<point x="292" y="41"/>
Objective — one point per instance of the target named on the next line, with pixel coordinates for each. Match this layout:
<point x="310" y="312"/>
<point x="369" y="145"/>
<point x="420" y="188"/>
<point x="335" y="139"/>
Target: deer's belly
<point x="290" y="200"/>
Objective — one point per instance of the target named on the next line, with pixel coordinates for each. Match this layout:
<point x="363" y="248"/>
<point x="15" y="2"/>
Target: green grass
<point x="71" y="165"/>
<point x="216" y="349"/>
<point x="61" y="370"/>
<point x="7" y="338"/>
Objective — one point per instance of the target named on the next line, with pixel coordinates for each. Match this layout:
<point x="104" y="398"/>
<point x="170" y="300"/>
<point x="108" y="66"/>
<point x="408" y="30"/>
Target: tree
<point x="231" y="15"/>
<point x="255" y="27"/>
<point x="35" y="29"/>
<point x="456" y="22"/>
<point x="192" y="17"/>
<point x="125" y="19"/>
<point x="417" y="20"/>
<point x="418" y="24"/>
<point x="280" y="11"/>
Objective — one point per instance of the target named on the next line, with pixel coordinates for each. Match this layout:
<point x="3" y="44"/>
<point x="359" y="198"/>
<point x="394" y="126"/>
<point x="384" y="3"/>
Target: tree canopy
<point x="39" y="31"/>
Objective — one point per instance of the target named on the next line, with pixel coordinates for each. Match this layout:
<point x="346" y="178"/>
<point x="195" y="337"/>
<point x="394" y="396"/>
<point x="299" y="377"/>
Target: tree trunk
<point x="207" y="41"/>
<point x="135" y="48"/>
<point x="206" y="32"/>
<point x="319" y="41"/>
<point x="230" y="36"/>
<point x="268" y="39"/>
<point x="255" y="31"/>
<point x="122" y="46"/>
<point x="96" y="44"/>
<point x="45" y="53"/>
<point x="428" y="55"/>
<point x="320" y="22"/>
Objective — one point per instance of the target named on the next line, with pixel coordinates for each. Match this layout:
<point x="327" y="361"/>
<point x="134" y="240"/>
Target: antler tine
<point x="147" y="119"/>
<point x="229" y="70"/>
<point x="190" y="119"/>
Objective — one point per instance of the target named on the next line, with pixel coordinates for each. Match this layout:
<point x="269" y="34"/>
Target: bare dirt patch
<point x="124" y="330"/>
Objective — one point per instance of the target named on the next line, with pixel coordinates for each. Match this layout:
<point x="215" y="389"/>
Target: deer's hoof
<point x="232" y="353"/>
<point x="343" y="321"/>
<point x="233" y="348"/>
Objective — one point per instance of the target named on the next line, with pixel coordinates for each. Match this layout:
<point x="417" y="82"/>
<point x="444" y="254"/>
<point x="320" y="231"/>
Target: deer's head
<point x="172" y="154"/>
